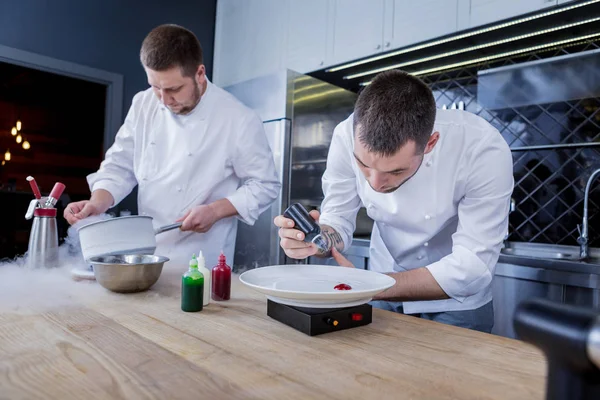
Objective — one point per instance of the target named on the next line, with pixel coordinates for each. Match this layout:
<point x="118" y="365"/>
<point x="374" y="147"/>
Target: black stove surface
<point x="316" y="321"/>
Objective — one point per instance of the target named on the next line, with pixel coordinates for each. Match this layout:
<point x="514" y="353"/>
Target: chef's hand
<point x="79" y="210"/>
<point x="340" y="259"/>
<point x="292" y="239"/>
<point x="199" y="219"/>
<point x="99" y="203"/>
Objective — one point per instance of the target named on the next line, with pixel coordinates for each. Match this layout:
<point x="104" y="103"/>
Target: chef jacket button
<point x="426" y="244"/>
<point x="427" y="216"/>
<point x="152" y="142"/>
<point x="419" y="257"/>
<point x="428" y="163"/>
<point x="179" y="188"/>
<point x="144" y="179"/>
<point x="189" y="153"/>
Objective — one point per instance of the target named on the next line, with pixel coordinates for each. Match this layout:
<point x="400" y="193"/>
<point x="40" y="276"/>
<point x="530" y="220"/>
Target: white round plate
<point x="313" y="285"/>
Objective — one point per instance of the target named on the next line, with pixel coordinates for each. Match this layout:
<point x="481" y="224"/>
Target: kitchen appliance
<point x="317" y="299"/>
<point x="316" y="321"/>
<point x="132" y="234"/>
<point x="128" y="273"/>
<point x="299" y="114"/>
<point x="42" y="250"/>
<point x="569" y="336"/>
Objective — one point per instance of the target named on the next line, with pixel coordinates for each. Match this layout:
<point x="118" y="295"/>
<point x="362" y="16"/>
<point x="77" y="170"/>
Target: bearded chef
<point x="197" y="154"/>
<point x="437" y="185"/>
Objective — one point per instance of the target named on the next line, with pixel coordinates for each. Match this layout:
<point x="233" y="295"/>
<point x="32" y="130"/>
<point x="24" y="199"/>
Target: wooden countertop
<point x="98" y="344"/>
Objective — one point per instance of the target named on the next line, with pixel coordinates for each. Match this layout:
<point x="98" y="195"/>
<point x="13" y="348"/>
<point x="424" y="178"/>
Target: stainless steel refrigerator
<point x="299" y="114"/>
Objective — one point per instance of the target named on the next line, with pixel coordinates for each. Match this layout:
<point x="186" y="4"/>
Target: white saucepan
<point x="133" y="234"/>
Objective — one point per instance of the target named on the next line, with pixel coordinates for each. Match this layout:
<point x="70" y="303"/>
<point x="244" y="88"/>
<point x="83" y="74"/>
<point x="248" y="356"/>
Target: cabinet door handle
<point x="387" y="44"/>
<point x="378" y="47"/>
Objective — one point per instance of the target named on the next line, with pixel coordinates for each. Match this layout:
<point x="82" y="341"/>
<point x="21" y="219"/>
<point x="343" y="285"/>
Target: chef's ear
<point x="200" y="74"/>
<point x="432" y="142"/>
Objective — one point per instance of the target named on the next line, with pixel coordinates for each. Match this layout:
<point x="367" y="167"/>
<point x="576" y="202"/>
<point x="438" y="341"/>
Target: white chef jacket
<point x="217" y="151"/>
<point x="450" y="217"/>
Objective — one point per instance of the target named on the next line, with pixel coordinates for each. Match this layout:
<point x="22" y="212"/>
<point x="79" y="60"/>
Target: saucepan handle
<point x="167" y="228"/>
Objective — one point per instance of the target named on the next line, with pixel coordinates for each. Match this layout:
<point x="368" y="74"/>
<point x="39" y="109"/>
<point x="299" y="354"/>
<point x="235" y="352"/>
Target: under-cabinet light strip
<point x="496" y="56"/>
<point x="472" y="48"/>
<point x="461" y="36"/>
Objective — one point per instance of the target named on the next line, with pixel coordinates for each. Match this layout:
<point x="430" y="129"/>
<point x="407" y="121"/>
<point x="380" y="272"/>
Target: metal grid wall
<point x="549" y="182"/>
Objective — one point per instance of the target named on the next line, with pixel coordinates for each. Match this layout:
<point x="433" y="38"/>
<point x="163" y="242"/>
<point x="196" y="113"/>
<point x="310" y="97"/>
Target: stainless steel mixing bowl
<point x="129" y="272"/>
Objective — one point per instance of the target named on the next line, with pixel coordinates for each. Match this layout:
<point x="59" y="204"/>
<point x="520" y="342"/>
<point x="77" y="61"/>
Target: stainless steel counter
<point x="524" y="271"/>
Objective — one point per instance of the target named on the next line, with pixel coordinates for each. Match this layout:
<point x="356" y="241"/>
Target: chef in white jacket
<point x="198" y="155"/>
<point x="437" y="184"/>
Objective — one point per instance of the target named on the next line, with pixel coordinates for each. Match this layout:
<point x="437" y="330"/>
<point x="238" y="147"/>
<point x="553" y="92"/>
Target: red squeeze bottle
<point x="221" y="280"/>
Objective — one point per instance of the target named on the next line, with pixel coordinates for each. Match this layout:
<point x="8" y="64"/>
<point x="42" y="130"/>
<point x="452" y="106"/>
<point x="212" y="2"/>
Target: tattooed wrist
<point x="333" y="239"/>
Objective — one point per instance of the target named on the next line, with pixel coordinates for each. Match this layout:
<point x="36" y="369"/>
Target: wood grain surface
<point x="104" y="345"/>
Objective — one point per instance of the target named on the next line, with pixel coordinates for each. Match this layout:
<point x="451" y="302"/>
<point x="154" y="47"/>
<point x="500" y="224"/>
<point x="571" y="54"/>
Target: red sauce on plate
<point x="342" y="286"/>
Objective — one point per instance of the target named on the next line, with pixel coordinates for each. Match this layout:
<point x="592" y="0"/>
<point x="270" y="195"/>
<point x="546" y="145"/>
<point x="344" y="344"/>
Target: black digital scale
<point x="316" y="321"/>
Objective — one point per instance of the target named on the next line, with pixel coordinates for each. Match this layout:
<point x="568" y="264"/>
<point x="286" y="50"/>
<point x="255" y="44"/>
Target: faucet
<point x="583" y="238"/>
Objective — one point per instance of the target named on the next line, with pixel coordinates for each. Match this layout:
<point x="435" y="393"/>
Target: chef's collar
<point x="429" y="158"/>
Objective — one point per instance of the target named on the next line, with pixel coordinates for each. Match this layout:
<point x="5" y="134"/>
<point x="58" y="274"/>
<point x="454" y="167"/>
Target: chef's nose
<point x="165" y="98"/>
<point x="377" y="180"/>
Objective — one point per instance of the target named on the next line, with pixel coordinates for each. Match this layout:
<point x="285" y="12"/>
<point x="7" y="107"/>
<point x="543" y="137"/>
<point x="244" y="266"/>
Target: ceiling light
<point x="19" y="139"/>
<point x="496" y="56"/>
<point x="18" y="125"/>
<point x="7" y="155"/>
<point x="461" y="36"/>
<point x="13" y="131"/>
<point x="26" y="145"/>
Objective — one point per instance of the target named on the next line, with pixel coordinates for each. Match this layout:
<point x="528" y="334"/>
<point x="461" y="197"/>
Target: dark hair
<point x="393" y="109"/>
<point x="168" y="46"/>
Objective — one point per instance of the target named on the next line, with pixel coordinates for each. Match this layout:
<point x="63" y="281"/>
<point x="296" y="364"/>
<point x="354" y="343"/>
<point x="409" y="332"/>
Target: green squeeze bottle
<point x="192" y="288"/>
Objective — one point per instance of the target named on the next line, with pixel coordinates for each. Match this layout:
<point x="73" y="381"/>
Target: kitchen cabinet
<point x="249" y="39"/>
<point x="322" y="33"/>
<point x="257" y="37"/>
<point x="487" y="11"/>
<point x="516" y="283"/>
<point x="308" y="33"/>
<point x="423" y="20"/>
<point x="358" y="29"/>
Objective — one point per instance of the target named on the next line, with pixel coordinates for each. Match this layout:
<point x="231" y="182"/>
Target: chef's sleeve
<point x="253" y="163"/>
<point x="116" y="174"/>
<point x="341" y="201"/>
<point x="482" y="222"/>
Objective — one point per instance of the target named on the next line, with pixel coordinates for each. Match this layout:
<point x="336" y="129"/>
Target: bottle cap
<point x="304" y="222"/>
<point x="201" y="261"/>
<point x="194" y="262"/>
